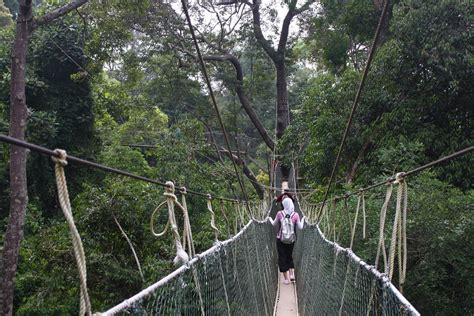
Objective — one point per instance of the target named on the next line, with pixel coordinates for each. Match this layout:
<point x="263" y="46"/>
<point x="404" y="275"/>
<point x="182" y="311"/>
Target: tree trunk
<point x="18" y="185"/>
<point x="283" y="113"/>
<point x="352" y="172"/>
<point x="18" y="118"/>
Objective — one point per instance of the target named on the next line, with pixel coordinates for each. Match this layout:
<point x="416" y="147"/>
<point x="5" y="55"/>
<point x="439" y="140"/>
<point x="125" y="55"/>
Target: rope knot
<point x="169" y="191"/>
<point x="399" y="177"/>
<point x="60" y="158"/>
<point x="169" y="187"/>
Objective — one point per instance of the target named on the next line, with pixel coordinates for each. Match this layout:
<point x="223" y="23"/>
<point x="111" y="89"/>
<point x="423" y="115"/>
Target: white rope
<point x="60" y="163"/>
<point x="187" y="233"/>
<point x="213" y="222"/>
<point x="226" y="219"/>
<point x="197" y="284"/>
<point x="171" y="200"/>
<point x="242" y="213"/>
<point x="355" y="221"/>
<point x="383" y="214"/>
<point x="346" y="209"/>
<point x="399" y="230"/>
<point x="403" y="271"/>
<point x="131" y="247"/>
<point x="333" y="212"/>
<point x="364" y="216"/>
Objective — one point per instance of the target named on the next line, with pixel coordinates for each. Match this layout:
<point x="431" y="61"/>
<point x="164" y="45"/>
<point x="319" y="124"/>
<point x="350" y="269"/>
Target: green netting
<point x="235" y="277"/>
<point x="240" y="277"/>
<point x="332" y="280"/>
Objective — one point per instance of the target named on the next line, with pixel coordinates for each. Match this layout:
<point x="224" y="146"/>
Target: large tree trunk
<point x="283" y="113"/>
<point x="18" y="186"/>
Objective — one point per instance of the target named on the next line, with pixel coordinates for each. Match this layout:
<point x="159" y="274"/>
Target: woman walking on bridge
<point x="286" y="220"/>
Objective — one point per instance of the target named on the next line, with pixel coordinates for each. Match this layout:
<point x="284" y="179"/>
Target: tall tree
<point x="26" y="24"/>
<point x="278" y="56"/>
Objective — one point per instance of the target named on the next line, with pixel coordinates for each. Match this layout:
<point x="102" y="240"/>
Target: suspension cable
<point x="357" y="98"/>
<point x="214" y="102"/>
<point x="49" y="152"/>
<point x="408" y="173"/>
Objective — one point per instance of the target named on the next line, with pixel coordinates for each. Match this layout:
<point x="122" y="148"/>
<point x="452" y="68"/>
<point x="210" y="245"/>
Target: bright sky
<point x="269" y="32"/>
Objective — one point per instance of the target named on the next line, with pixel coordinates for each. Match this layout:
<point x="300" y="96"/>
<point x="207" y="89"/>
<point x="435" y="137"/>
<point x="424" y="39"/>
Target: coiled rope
<point x="171" y="200"/>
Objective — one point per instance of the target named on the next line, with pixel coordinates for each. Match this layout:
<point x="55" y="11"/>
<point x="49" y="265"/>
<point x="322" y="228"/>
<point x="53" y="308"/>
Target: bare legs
<point x="288" y="276"/>
<point x="286" y="279"/>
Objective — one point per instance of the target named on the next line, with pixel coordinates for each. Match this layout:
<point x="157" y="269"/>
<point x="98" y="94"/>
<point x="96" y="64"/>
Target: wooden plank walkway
<point x="286" y="303"/>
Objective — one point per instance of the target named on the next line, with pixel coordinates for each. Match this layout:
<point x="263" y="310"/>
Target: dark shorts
<point x="285" y="256"/>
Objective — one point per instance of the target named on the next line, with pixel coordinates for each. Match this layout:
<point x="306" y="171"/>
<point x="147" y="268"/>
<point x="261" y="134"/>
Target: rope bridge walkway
<point x="239" y="277"/>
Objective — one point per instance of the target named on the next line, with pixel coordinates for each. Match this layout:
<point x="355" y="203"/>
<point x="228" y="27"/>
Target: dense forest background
<point x="114" y="74"/>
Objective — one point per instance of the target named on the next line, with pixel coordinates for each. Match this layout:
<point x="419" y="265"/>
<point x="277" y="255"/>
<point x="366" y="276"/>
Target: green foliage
<point x="60" y="108"/>
<point x="5" y="16"/>
<point x="439" y="234"/>
<point x="123" y="79"/>
<point x="409" y="101"/>
<point x="339" y="35"/>
<point x="416" y="107"/>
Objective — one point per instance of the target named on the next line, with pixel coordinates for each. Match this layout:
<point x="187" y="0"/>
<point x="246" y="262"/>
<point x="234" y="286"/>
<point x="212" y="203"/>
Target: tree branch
<point x="249" y="173"/>
<point x="242" y="97"/>
<point x="45" y="19"/>
<point x="285" y="30"/>
<point x="257" y="29"/>
<point x="304" y="7"/>
<point x="292" y="12"/>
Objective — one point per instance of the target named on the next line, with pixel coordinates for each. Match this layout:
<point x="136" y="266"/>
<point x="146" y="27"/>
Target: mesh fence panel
<point x="331" y="280"/>
<point x="235" y="277"/>
<point x="240" y="277"/>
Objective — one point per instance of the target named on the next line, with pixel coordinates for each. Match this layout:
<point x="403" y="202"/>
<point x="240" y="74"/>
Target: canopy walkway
<point x="240" y="277"/>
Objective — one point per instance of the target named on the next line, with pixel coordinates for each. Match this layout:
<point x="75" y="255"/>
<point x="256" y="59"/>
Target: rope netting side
<point x="332" y="280"/>
<point x="235" y="277"/>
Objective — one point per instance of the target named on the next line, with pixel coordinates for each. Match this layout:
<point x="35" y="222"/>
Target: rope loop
<point x="169" y="188"/>
<point x="171" y="200"/>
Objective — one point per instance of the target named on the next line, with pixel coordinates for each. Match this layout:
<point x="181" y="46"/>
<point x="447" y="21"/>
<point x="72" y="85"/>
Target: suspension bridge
<point x="239" y="276"/>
